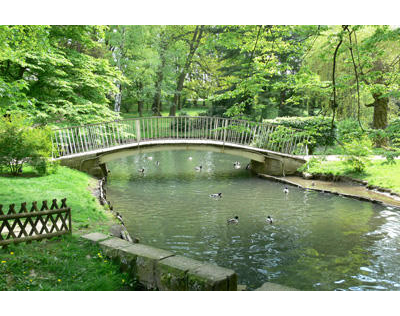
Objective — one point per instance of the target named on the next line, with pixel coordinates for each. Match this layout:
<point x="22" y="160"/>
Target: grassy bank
<point x="66" y="263"/>
<point x="376" y="173"/>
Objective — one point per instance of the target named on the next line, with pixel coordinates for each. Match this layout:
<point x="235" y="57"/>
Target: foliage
<point x="312" y="163"/>
<point x="318" y="129"/>
<point x="20" y="144"/>
<point x="56" y="73"/>
<point x="348" y="130"/>
<point x="357" y="152"/>
<point x="393" y="132"/>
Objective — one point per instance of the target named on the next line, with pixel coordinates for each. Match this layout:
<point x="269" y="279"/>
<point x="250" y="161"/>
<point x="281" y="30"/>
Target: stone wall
<point x="160" y="269"/>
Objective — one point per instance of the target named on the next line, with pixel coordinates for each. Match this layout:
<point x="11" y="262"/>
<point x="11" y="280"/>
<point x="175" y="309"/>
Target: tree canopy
<point x="64" y="74"/>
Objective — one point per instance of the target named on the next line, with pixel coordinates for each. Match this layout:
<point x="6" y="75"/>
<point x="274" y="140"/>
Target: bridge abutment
<point x="88" y="164"/>
<point x="276" y="166"/>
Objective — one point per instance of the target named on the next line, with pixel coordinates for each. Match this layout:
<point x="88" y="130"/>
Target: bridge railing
<point x="81" y="139"/>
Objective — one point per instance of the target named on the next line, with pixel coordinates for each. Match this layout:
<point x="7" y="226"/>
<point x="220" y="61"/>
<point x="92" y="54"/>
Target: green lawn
<point x="188" y="111"/>
<point x="68" y="262"/>
<point x="376" y="173"/>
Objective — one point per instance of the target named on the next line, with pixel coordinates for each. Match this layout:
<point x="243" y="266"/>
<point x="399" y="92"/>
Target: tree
<point x="193" y="46"/>
<point x="57" y="73"/>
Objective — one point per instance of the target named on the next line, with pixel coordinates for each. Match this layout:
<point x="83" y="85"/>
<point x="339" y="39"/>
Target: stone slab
<point x="209" y="277"/>
<point x="111" y="246"/>
<point x="95" y="237"/>
<point x="171" y="273"/>
<point x="268" y="286"/>
<point x="147" y="258"/>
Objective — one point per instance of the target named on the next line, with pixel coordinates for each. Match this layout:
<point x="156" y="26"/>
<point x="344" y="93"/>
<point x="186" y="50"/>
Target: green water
<point x="317" y="241"/>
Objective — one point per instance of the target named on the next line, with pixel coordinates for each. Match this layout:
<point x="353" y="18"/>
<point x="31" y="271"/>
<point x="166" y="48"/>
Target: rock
<point x="116" y="230"/>
<point x="307" y="176"/>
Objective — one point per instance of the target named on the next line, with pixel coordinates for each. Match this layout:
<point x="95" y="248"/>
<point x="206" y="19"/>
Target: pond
<point x="317" y="241"/>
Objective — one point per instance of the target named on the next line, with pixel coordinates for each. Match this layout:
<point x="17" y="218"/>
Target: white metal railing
<point x="81" y="139"/>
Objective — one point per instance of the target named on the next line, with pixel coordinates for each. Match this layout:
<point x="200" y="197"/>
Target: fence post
<point x="137" y="126"/>
<point x="225" y="128"/>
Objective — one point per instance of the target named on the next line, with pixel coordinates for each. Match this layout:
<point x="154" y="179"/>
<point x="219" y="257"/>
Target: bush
<point x="357" y="152"/>
<point x="21" y="144"/>
<point x="318" y="128"/>
<point x="393" y="132"/>
<point x="348" y="130"/>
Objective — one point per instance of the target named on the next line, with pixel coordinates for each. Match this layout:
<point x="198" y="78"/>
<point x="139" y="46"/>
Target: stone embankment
<point x="160" y="269"/>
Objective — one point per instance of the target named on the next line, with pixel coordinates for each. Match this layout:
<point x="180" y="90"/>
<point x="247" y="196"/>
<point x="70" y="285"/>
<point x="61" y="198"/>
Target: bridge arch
<point x="90" y="147"/>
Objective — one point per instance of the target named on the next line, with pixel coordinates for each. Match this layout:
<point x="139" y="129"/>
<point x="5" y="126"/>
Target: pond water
<point x="317" y="241"/>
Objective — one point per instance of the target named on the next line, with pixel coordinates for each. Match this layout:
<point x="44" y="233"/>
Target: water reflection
<point x="316" y="242"/>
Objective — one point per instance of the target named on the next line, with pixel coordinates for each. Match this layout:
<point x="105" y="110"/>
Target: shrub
<point x="20" y="143"/>
<point x="348" y="130"/>
<point x="318" y="128"/>
<point x="393" y="132"/>
<point x="357" y="152"/>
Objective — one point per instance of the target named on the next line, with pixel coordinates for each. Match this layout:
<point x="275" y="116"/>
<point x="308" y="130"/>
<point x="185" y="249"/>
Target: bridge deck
<point x="78" y="141"/>
<point x="167" y="142"/>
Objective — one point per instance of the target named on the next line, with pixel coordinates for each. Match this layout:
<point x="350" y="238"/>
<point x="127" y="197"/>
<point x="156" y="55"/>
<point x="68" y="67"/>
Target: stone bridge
<point x="272" y="149"/>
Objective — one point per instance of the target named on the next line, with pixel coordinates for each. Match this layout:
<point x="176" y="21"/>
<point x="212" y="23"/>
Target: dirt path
<point x="344" y="188"/>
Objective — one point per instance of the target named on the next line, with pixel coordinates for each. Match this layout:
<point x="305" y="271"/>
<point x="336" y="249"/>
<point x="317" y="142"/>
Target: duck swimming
<point x="234" y="220"/>
<point x="216" y="195"/>
<point x="237" y="165"/>
<point x="199" y="168"/>
<point x="150" y="158"/>
<point x="157" y="163"/>
<point x="269" y="219"/>
<point x="248" y="167"/>
<point x="286" y="190"/>
<point x="141" y="170"/>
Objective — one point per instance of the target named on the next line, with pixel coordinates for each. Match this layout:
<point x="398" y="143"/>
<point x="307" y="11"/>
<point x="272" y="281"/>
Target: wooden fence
<point x="82" y="139"/>
<point x="34" y="223"/>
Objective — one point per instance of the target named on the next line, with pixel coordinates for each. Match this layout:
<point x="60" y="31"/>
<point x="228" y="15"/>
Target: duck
<point x="150" y="158"/>
<point x="248" y="167"/>
<point x="286" y="190"/>
<point x="237" y="165"/>
<point x="157" y="163"/>
<point x="234" y="220"/>
<point x="190" y="158"/>
<point x="269" y="219"/>
<point x="313" y="184"/>
<point x="141" y="170"/>
<point x="199" y="168"/>
<point x="216" y="195"/>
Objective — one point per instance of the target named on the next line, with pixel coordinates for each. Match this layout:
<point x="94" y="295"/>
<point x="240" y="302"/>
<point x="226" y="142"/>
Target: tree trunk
<point x="140" y="107"/>
<point x="381" y="107"/>
<point x="118" y="97"/>
<point x="160" y="77"/>
<point x="194" y="44"/>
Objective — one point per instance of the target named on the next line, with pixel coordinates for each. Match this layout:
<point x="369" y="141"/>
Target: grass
<point x="188" y="111"/>
<point x="68" y="262"/>
<point x="69" y="183"/>
<point x="376" y="173"/>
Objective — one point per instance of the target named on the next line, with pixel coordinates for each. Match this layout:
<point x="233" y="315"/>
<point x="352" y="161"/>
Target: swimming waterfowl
<point x="234" y="220"/>
<point x="199" y="168"/>
<point x="237" y="165"/>
<point x="141" y="170"/>
<point x="248" y="167"/>
<point x="157" y="163"/>
<point x="216" y="195"/>
<point x="286" y="190"/>
<point x="150" y="158"/>
<point x="269" y="219"/>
